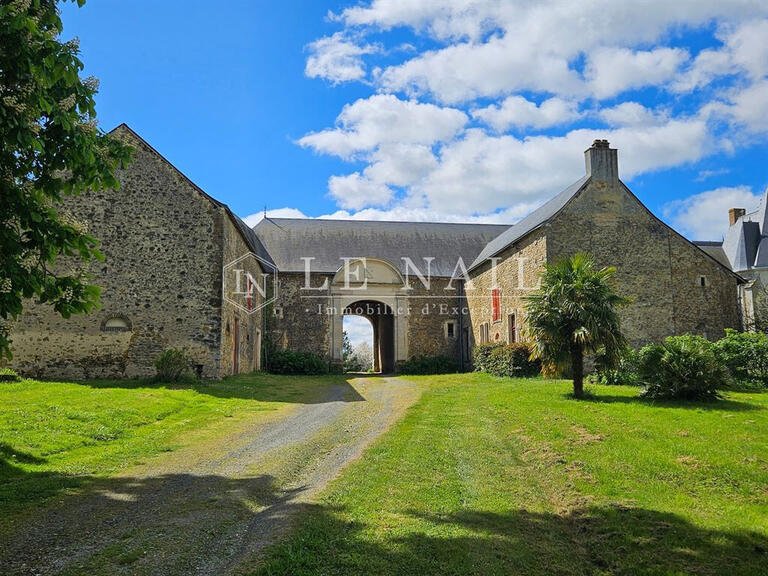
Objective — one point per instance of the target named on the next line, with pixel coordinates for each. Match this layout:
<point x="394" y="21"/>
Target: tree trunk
<point x="577" y="365"/>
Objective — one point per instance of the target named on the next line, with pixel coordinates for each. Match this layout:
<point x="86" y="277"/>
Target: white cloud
<point x="611" y="71"/>
<point x="337" y="58"/>
<point x="704" y="216"/>
<point x="384" y="118"/>
<point x="531" y="66"/>
<point x="253" y="219"/>
<point x="632" y="114"/>
<point x="522" y="113"/>
<point x="355" y="191"/>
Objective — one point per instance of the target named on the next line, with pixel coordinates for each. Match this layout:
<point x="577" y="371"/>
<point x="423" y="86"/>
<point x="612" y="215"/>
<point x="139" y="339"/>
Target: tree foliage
<point x="573" y="313"/>
<point x="50" y="148"/>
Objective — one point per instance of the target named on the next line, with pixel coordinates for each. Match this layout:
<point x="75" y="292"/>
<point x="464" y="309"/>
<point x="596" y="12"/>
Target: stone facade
<point x="164" y="244"/>
<point x="517" y="272"/>
<point x="169" y="250"/>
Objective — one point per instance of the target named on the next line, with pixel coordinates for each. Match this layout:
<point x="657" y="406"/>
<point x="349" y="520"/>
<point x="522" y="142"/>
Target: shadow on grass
<point x="255" y="386"/>
<point x="595" y="540"/>
<point x="184" y="523"/>
<point x="724" y="404"/>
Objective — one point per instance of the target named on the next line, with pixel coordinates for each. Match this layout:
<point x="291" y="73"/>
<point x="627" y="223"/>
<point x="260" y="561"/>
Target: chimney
<point x="734" y="214"/>
<point x="602" y="162"/>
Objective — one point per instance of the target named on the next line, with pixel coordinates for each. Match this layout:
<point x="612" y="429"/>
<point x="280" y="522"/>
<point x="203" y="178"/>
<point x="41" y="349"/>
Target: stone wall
<point x="517" y="273"/>
<point x="161" y="274"/>
<point x="655" y="266"/>
<point x="236" y="318"/>
<point x="429" y="311"/>
<point x="295" y="323"/>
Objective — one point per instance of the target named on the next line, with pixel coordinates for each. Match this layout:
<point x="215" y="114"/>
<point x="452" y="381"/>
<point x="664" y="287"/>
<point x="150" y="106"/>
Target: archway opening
<point x="382" y="322"/>
<point x="357" y="348"/>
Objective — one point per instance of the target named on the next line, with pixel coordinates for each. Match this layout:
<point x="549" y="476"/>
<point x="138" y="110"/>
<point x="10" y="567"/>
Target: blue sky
<point x="475" y="110"/>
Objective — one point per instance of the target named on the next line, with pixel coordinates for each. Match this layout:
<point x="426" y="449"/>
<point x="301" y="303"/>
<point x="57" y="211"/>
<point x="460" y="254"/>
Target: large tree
<point x="573" y="313"/>
<point x="50" y="147"/>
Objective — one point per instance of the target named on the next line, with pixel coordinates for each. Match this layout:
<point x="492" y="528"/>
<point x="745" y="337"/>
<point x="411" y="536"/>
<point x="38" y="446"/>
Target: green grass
<point x="498" y="476"/>
<point x="57" y="436"/>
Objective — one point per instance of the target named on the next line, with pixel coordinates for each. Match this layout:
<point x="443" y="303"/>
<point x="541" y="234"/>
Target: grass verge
<point x="499" y="476"/>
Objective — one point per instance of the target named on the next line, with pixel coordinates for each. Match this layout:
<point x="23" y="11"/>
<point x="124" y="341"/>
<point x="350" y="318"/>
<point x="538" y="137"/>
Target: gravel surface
<point x="211" y="507"/>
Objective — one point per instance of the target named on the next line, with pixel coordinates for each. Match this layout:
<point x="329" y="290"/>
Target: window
<point x="496" y="304"/>
<point x="485" y="335"/>
<point x="278" y="312"/>
<point x="703" y="281"/>
<point x="450" y="329"/>
<point x="511" y="329"/>
<point x="249" y="294"/>
<point x="116" y="324"/>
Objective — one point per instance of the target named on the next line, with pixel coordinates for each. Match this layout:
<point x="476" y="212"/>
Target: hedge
<point x="505" y="360"/>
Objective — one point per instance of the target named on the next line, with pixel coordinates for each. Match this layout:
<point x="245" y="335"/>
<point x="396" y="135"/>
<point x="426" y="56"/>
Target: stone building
<point x="427" y="288"/>
<point x="744" y="249"/>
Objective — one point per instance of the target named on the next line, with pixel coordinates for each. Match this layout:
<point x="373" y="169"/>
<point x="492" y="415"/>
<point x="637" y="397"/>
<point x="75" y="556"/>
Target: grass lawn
<point x="58" y="436"/>
<point x="491" y="476"/>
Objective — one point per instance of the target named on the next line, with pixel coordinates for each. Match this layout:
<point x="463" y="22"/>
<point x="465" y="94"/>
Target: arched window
<point x="116" y="324"/>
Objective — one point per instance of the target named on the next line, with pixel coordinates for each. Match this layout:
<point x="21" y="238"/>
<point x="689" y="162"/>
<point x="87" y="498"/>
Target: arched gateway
<point x="371" y="288"/>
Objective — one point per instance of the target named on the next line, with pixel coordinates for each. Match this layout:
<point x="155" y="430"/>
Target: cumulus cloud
<point x="632" y="114"/>
<point x="611" y="71"/>
<point x="384" y="118"/>
<point x="355" y="191"/>
<point x="518" y="112"/>
<point x="704" y="216"/>
<point x="337" y="58"/>
<point x="538" y="80"/>
<point x="253" y="219"/>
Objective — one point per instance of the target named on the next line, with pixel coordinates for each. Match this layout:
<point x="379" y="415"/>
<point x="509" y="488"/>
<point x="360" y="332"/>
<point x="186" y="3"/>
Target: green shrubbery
<point x="429" y="365"/>
<point x="683" y="367"/>
<point x="745" y="354"/>
<point x="171" y="366"/>
<point x="290" y="362"/>
<point x="624" y="374"/>
<point x="8" y="375"/>
<point x="505" y="360"/>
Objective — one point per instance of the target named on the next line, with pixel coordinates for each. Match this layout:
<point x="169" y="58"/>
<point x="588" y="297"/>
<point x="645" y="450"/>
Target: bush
<point x="171" y="365"/>
<point x="624" y="374"/>
<point x="745" y="354"/>
<point x="683" y="367"/>
<point x="291" y="362"/>
<point x="429" y="365"/>
<point x="512" y="360"/>
<point x="8" y="375"/>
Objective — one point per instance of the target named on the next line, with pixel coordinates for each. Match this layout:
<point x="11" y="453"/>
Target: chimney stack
<point x="734" y="214"/>
<point x="602" y="162"/>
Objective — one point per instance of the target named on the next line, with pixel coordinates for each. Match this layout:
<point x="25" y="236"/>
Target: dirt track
<point x="212" y="506"/>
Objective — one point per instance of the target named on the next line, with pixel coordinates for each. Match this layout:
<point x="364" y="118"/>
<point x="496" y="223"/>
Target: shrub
<point x="745" y="354"/>
<point x="624" y="374"/>
<point x="291" y="362"/>
<point x="683" y="367"/>
<point x="429" y="365"/>
<point x="171" y="365"/>
<point x="8" y="375"/>
<point x="512" y="360"/>
<point x="481" y="356"/>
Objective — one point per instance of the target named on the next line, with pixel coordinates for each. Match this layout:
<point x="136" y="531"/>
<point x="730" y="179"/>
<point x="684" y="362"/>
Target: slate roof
<point x="714" y="250"/>
<point x="528" y="224"/>
<point x="746" y="243"/>
<point x="287" y="240"/>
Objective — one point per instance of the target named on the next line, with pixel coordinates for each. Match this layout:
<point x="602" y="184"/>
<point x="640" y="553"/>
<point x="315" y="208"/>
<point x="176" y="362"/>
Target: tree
<point x="50" y="148"/>
<point x="575" y="312"/>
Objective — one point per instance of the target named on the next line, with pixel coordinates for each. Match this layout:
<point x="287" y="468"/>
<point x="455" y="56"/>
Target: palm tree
<point x="573" y="313"/>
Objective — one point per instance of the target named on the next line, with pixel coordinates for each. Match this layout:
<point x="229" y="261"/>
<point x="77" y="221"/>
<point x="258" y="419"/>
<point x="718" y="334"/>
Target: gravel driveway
<point x="211" y="507"/>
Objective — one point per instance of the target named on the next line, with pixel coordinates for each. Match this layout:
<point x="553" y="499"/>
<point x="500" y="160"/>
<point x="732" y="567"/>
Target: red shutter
<point x="496" y="301"/>
<point x="249" y="295"/>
